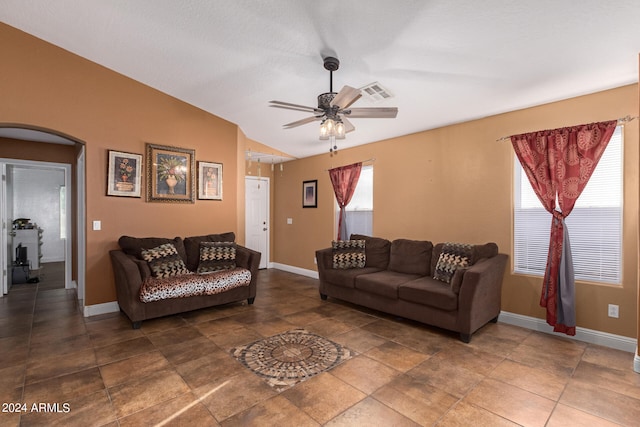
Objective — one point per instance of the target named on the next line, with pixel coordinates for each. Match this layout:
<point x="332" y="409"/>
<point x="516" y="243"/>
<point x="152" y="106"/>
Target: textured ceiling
<point x="446" y="61"/>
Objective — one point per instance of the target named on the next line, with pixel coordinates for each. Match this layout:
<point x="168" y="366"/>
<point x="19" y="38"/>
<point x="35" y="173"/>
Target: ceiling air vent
<point x="375" y="92"/>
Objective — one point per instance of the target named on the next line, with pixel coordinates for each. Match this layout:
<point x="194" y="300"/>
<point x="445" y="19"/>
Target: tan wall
<point x="47" y="87"/>
<point x="455" y="184"/>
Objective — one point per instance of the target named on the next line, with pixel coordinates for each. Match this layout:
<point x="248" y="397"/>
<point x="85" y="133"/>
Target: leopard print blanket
<point x="192" y="284"/>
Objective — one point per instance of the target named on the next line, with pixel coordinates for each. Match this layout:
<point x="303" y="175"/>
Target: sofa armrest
<point x="128" y="281"/>
<point x="249" y="259"/>
<point x="324" y="261"/>
<point x="324" y="258"/>
<point x="480" y="294"/>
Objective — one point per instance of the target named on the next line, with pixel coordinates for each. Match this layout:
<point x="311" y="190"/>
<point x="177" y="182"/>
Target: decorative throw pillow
<point x="452" y="257"/>
<point x="216" y="256"/>
<point x="164" y="261"/>
<point x="348" y="254"/>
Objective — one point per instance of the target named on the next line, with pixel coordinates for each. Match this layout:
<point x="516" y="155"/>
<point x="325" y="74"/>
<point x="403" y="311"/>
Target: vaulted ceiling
<point x="444" y="61"/>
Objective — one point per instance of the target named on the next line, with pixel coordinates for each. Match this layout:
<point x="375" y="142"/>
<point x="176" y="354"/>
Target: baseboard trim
<point x="582" y="334"/>
<point x="97" y="309"/>
<point x="636" y="363"/>
<point x="45" y="260"/>
<point x="296" y="270"/>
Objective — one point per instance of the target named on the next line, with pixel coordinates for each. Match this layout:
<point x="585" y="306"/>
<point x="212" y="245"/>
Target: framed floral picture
<point x="170" y="174"/>
<point x="124" y="172"/>
<point x="209" y="181"/>
<point x="310" y="194"/>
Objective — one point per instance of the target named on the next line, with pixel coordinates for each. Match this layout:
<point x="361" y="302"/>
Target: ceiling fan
<point x="333" y="109"/>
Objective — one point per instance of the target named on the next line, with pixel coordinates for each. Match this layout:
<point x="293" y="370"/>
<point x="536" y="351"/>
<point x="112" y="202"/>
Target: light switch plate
<point x="97" y="225"/>
<point x="289" y="221"/>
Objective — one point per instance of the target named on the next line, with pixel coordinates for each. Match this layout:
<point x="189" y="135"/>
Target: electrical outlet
<point x="614" y="311"/>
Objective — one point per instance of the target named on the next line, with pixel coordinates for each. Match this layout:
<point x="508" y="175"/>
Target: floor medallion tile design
<point x="286" y="359"/>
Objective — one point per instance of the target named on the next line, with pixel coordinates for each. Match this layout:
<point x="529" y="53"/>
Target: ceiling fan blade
<point x="302" y="122"/>
<point x="290" y="106"/>
<point x="346" y="97"/>
<point x="372" y="112"/>
<point x="348" y="126"/>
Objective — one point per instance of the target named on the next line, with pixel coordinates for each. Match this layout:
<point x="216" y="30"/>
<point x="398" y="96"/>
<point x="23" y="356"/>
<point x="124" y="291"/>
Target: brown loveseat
<point x="134" y="277"/>
<point x="398" y="278"/>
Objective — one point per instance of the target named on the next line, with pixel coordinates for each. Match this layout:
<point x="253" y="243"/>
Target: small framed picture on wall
<point x="310" y="194"/>
<point x="124" y="172"/>
<point x="209" y="181"/>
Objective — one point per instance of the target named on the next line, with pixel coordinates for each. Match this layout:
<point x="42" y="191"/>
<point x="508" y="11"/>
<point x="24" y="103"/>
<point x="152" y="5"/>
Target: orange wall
<point x="50" y="88"/>
<point x="455" y="184"/>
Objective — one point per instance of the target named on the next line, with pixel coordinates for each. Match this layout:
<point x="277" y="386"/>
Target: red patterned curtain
<point x="559" y="163"/>
<point x="344" y="180"/>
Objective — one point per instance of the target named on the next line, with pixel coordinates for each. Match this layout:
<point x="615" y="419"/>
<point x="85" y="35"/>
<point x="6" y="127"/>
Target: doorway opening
<point x="42" y="209"/>
<point x="36" y="210"/>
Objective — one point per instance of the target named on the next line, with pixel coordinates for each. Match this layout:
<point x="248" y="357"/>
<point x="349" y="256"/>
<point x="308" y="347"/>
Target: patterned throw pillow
<point x="216" y="256"/>
<point x="164" y="261"/>
<point x="349" y="254"/>
<point x="452" y="257"/>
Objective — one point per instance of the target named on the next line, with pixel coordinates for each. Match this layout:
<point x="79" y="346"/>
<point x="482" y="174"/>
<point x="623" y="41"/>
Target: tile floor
<point x="177" y="370"/>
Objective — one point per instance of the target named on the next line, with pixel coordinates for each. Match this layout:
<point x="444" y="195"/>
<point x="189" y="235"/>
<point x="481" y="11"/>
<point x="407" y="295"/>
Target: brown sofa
<point x="398" y="278"/>
<point x="131" y="271"/>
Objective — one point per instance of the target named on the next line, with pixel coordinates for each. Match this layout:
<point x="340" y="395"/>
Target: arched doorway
<point x="32" y="151"/>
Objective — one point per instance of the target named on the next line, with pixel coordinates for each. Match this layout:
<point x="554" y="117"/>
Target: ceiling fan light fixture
<point x="332" y="129"/>
<point x="324" y="130"/>
<point x="327" y="129"/>
<point x="340" y="130"/>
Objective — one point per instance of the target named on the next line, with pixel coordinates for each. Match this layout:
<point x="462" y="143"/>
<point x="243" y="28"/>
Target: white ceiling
<point x="446" y="61"/>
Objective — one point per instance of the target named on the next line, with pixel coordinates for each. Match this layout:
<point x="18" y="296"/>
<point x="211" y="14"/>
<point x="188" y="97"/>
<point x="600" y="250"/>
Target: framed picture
<point x="170" y="173"/>
<point x="124" y="172"/>
<point x="209" y="181"/>
<point x="310" y="194"/>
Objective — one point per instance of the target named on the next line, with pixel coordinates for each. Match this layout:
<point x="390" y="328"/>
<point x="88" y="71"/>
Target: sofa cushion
<point x="428" y="291"/>
<point x="135" y="245"/>
<point x="383" y="283"/>
<point x="376" y="249"/>
<point x="164" y="261"/>
<point x="192" y="246"/>
<point x="452" y="257"/>
<point x="348" y="254"/>
<point x="216" y="256"/>
<point x="190" y="284"/>
<point x="487" y="250"/>
<point x="411" y="256"/>
<point x="346" y="278"/>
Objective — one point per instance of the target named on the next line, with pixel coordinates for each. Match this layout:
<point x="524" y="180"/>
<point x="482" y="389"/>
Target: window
<point x="360" y="208"/>
<point x="595" y="224"/>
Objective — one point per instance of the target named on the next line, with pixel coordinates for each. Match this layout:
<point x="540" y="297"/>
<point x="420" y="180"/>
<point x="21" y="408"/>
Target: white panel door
<point x="257" y="217"/>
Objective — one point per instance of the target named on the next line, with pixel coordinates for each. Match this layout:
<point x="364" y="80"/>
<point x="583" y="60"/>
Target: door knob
<point x="264" y="229"/>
